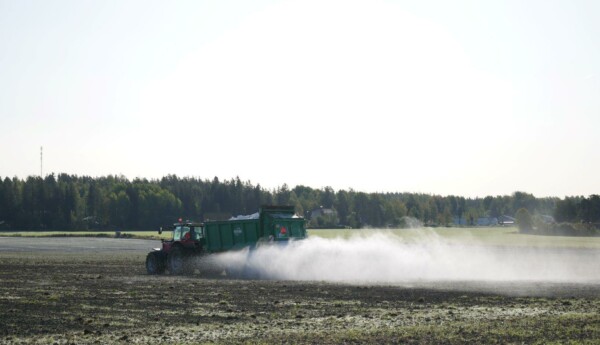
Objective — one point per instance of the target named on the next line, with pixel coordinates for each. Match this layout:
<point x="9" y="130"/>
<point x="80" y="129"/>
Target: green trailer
<point x="271" y="224"/>
<point x="274" y="223"/>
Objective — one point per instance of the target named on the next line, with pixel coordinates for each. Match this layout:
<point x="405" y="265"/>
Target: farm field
<point x="132" y="234"/>
<point x="95" y="290"/>
<point x="497" y="236"/>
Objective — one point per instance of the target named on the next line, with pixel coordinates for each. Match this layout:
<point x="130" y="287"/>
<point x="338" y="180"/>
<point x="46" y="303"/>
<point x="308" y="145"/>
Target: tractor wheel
<point x="155" y="263"/>
<point x="177" y="261"/>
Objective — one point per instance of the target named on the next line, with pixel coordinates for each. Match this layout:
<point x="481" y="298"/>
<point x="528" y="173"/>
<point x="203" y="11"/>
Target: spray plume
<point x="383" y="257"/>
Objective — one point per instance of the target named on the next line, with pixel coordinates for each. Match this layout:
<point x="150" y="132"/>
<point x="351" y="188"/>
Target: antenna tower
<point x="41" y="161"/>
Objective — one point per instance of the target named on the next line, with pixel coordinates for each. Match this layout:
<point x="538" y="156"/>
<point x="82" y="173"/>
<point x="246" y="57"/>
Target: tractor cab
<point x="189" y="235"/>
<point x="186" y="232"/>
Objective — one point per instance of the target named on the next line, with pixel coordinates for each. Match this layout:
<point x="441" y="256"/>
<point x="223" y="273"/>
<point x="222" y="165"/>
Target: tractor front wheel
<point x="155" y="263"/>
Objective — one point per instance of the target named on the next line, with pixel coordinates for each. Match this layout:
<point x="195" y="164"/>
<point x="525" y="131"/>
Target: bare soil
<point x="68" y="297"/>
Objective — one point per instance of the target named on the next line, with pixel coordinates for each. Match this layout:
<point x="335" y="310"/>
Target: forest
<point x="70" y="202"/>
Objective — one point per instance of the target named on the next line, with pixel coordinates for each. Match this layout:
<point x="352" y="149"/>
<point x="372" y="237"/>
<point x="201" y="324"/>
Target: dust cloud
<point x="383" y="257"/>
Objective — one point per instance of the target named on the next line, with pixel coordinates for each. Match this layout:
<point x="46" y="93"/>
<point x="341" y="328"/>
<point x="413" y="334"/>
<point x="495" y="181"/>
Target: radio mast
<point x="42" y="162"/>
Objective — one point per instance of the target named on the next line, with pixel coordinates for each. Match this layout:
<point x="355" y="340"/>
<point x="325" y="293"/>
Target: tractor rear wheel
<point x="177" y="261"/>
<point x="155" y="263"/>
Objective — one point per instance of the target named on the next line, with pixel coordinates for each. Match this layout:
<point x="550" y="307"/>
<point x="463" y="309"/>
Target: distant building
<point x="483" y="221"/>
<point x="318" y="212"/>
<point x="487" y="221"/>
<point x="547" y="219"/>
<point x="460" y="220"/>
<point x="506" y="220"/>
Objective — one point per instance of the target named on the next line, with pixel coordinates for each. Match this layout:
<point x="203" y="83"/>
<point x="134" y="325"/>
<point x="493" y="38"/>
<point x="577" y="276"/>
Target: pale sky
<point x="470" y="98"/>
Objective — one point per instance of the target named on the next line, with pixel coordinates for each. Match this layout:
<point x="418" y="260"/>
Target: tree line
<point x="70" y="202"/>
<point x="573" y="216"/>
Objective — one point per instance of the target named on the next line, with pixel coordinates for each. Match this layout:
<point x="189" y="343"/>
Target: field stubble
<point x="49" y="298"/>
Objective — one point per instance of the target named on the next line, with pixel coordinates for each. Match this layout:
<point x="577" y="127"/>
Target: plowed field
<point x="98" y="296"/>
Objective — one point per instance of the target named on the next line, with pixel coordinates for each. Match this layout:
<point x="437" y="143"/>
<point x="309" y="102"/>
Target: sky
<point x="468" y="98"/>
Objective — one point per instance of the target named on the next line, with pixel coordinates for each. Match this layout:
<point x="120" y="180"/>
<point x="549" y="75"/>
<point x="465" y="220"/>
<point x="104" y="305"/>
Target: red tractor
<point x="175" y="254"/>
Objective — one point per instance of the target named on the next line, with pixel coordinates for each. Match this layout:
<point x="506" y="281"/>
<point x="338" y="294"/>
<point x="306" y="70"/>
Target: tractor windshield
<point x="186" y="232"/>
<point x="177" y="233"/>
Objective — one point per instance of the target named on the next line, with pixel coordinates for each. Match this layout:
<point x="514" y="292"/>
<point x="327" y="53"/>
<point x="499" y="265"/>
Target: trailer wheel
<point x="155" y="263"/>
<point x="177" y="261"/>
